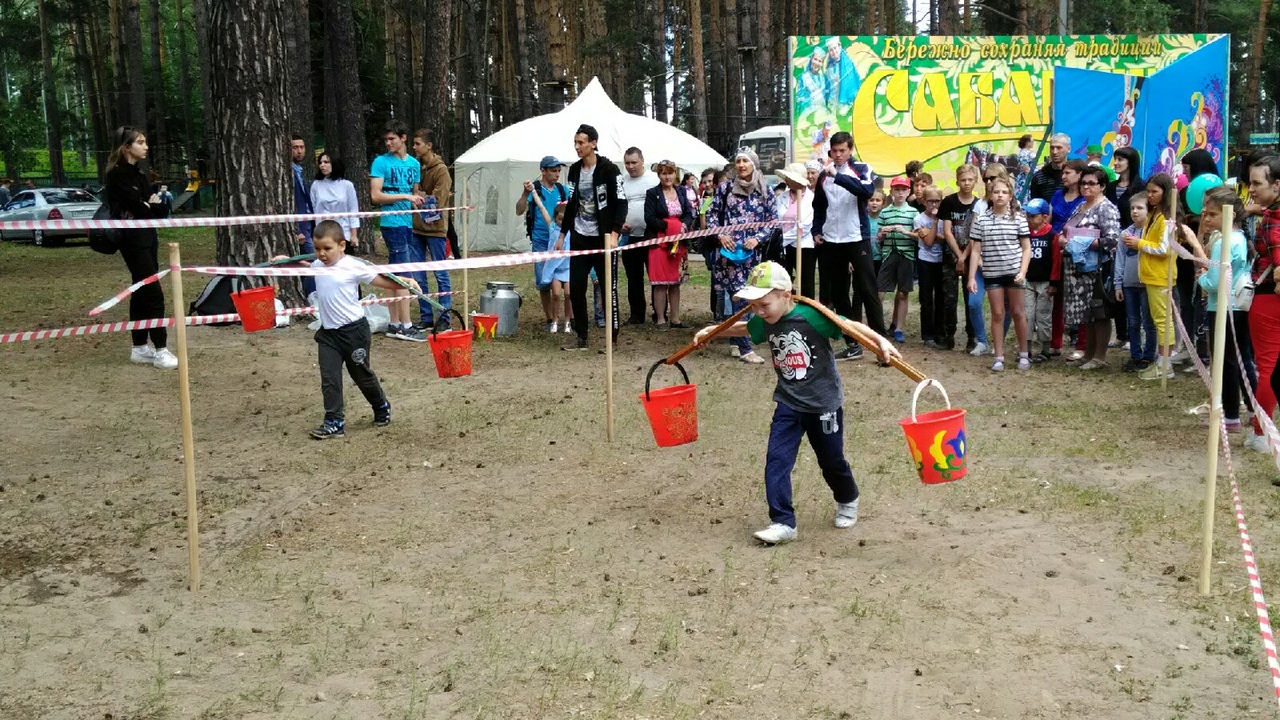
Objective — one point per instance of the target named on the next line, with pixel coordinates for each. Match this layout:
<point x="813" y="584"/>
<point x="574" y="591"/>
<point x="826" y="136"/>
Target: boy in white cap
<point x="809" y="395"/>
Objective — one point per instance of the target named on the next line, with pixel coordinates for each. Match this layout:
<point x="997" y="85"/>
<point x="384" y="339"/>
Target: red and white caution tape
<point x="473" y="263"/>
<point x="122" y="326"/>
<point x="115" y="300"/>
<point x="230" y="221"/>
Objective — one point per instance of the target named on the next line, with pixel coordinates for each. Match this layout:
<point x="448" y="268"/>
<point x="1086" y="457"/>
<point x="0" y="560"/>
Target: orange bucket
<point x="452" y="351"/>
<point x="486" y="325"/>
<point x="672" y="411"/>
<point x="937" y="440"/>
<point x="257" y="307"/>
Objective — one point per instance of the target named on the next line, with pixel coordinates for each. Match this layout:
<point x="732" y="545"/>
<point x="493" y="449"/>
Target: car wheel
<point x="37" y="237"/>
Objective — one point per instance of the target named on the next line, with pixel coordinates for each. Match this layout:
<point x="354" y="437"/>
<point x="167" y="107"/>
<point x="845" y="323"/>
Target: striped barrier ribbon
<point x="115" y="300"/>
<point x="473" y="263"/>
<point x="123" y="326"/>
<point x="228" y="221"/>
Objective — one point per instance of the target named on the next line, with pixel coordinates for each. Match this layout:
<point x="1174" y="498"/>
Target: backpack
<point x="215" y="299"/>
<point x="533" y="209"/>
<point x="104" y="240"/>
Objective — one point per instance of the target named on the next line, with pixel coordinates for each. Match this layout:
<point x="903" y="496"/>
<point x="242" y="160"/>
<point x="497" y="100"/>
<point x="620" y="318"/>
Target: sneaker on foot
<point x="852" y="352"/>
<point x="164" y="359"/>
<point x="382" y="415"/>
<point x="735" y="351"/>
<point x="410" y="333"/>
<point x="1092" y="364"/>
<point x="752" y="358"/>
<point x="577" y="344"/>
<point x="1024" y="363"/>
<point x="776" y="534"/>
<point x="1075" y="355"/>
<point x="1180" y="356"/>
<point x="553" y="327"/>
<point x="1257" y="443"/>
<point x="1156" y="372"/>
<point x="1040" y="358"/>
<point x="328" y="429"/>
<point x="568" y="327"/>
<point x="979" y="349"/>
<point x="847" y="514"/>
<point x="143" y="355"/>
<point x="998" y="365"/>
<point x="899" y="336"/>
<point x="932" y="344"/>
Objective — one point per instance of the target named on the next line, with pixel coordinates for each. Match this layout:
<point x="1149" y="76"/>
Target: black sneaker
<point x="328" y="429"/>
<point x="578" y="344"/>
<point x="382" y="416"/>
<point x="853" y="352"/>
<point x="1039" y="358"/>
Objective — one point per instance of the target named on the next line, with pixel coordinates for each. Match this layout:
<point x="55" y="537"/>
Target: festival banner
<point x="945" y="100"/>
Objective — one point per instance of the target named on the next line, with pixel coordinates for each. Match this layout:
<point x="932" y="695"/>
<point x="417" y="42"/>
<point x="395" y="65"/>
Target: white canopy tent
<point x="493" y="172"/>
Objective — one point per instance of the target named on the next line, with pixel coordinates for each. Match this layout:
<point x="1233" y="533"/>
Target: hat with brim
<point x="764" y="279"/>
<point x="794" y="174"/>
<point x="658" y="166"/>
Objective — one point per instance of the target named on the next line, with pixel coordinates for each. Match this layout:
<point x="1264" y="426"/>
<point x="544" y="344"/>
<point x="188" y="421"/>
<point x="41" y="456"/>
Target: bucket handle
<point x="648" y="378"/>
<point x="915" y="396"/>
<point x="435" y="329"/>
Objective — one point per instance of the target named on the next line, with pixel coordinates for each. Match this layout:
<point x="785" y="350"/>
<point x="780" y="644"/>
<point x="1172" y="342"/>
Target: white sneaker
<point x="776" y="534"/>
<point x="1257" y="443"/>
<point x="143" y="355"/>
<point x="735" y="351"/>
<point x="752" y="358"/>
<point x="847" y="514"/>
<point x="998" y="365"/>
<point x="165" y="360"/>
<point x="1180" y="356"/>
<point x="553" y="327"/>
<point x="980" y="349"/>
<point x="568" y="327"/>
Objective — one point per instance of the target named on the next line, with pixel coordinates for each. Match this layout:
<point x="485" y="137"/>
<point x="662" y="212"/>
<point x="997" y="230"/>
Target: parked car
<point x="63" y="203"/>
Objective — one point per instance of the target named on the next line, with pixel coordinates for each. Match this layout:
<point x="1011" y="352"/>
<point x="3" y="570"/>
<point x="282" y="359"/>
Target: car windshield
<point x="68" y="195"/>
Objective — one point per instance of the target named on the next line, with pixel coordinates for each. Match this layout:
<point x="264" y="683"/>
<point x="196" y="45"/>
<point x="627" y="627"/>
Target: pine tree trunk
<point x="748" y="21"/>
<point x="733" y="78"/>
<point x="249" y="78"/>
<point x="1250" y="114"/>
<point x="349" y="143"/>
<point x="98" y="119"/>
<point x="53" y="118"/>
<point x="717" y="127"/>
<point x="435" y="67"/>
<point x="200" y="21"/>
<point x="698" y="71"/>
<point x="118" y="90"/>
<point x="767" y="93"/>
<point x="524" y="71"/>
<point x="184" y="70"/>
<point x="658" y="61"/>
<point x="159" y="139"/>
<point x="298" y="47"/>
<point x="131" y="37"/>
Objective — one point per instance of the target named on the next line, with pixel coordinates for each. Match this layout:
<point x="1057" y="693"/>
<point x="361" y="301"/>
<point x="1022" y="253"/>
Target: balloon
<point x="1197" y="189"/>
<point x="1181" y="182"/>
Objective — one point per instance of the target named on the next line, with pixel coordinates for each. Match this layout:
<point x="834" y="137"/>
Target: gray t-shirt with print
<point x="803" y="359"/>
<point x="584" y="223"/>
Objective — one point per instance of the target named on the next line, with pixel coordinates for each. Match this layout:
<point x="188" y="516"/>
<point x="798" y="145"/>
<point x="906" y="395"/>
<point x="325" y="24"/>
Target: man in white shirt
<point x="842" y="229"/>
<point x="635" y="184"/>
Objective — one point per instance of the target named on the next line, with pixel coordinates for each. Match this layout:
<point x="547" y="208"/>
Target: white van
<point x="772" y="144"/>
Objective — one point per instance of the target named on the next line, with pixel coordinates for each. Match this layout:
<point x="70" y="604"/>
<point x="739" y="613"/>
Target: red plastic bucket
<point x="937" y="440"/>
<point x="672" y="411"/>
<point x="257" y="308"/>
<point x="452" y="351"/>
<point x="486" y="325"/>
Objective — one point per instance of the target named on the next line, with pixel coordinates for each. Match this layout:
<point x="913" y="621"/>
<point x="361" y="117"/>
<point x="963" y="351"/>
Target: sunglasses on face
<point x="1089" y="183"/>
<point x="989" y="179"/>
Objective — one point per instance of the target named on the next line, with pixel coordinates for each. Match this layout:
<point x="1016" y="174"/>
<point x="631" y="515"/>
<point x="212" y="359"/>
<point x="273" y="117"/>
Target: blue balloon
<point x="1197" y="189"/>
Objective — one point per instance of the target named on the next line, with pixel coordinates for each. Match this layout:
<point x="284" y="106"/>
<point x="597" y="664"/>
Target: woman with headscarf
<point x="1191" y="301"/>
<point x="744" y="198"/>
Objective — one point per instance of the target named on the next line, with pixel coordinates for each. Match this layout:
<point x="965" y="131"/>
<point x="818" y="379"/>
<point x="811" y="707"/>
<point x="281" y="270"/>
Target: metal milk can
<point x="501" y="299"/>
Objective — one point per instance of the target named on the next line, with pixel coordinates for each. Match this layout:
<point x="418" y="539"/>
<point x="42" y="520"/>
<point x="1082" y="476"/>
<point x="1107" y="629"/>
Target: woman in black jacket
<point x="129" y="197"/>
<point x="668" y="262"/>
<point x="1127" y="165"/>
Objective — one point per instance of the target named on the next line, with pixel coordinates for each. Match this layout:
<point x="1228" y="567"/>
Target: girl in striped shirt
<point x="1000" y="247"/>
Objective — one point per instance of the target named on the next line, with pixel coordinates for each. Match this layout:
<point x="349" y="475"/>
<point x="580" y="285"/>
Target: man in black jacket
<point x="596" y="211"/>
<point x="1048" y="179"/>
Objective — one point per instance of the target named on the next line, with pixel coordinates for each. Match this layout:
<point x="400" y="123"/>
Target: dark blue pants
<point x="405" y="247"/>
<point x="1142" y="329"/>
<point x="437" y="248"/>
<point x="826" y="435"/>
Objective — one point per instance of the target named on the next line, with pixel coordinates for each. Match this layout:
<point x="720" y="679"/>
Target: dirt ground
<point x="490" y="555"/>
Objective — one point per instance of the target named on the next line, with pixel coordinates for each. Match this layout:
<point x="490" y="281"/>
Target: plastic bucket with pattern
<point x="937" y="440"/>
<point x="257" y="307"/>
<point x="672" y="411"/>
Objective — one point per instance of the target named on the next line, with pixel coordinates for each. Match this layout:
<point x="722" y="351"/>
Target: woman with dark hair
<point x="129" y="197"/>
<point x="667" y="211"/>
<point x="1086" y="264"/>
<point x="332" y="192"/>
<point x="1063" y="205"/>
<point x="1127" y="165"/>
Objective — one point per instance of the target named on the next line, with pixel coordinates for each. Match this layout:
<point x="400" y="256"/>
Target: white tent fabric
<point x="492" y="173"/>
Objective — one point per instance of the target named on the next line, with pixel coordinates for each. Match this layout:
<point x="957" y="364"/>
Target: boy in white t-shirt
<point x="344" y="336"/>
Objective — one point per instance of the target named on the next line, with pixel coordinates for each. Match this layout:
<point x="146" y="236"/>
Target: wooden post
<point x="796" y="287"/>
<point x="1168" y="288"/>
<point x="466" y="275"/>
<point x="610" y="242"/>
<point x="188" y="438"/>
<point x="1215" y="397"/>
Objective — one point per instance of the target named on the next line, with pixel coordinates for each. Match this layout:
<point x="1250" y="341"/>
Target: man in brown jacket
<point x="437" y="184"/>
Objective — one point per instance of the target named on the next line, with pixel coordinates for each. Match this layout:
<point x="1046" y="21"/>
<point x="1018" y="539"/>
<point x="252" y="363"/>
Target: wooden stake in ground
<point x="610" y="247"/>
<point x="796" y="286"/>
<point x="1215" y="397"/>
<point x="1172" y="237"/>
<point x="188" y="437"/>
<point x="463" y="215"/>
